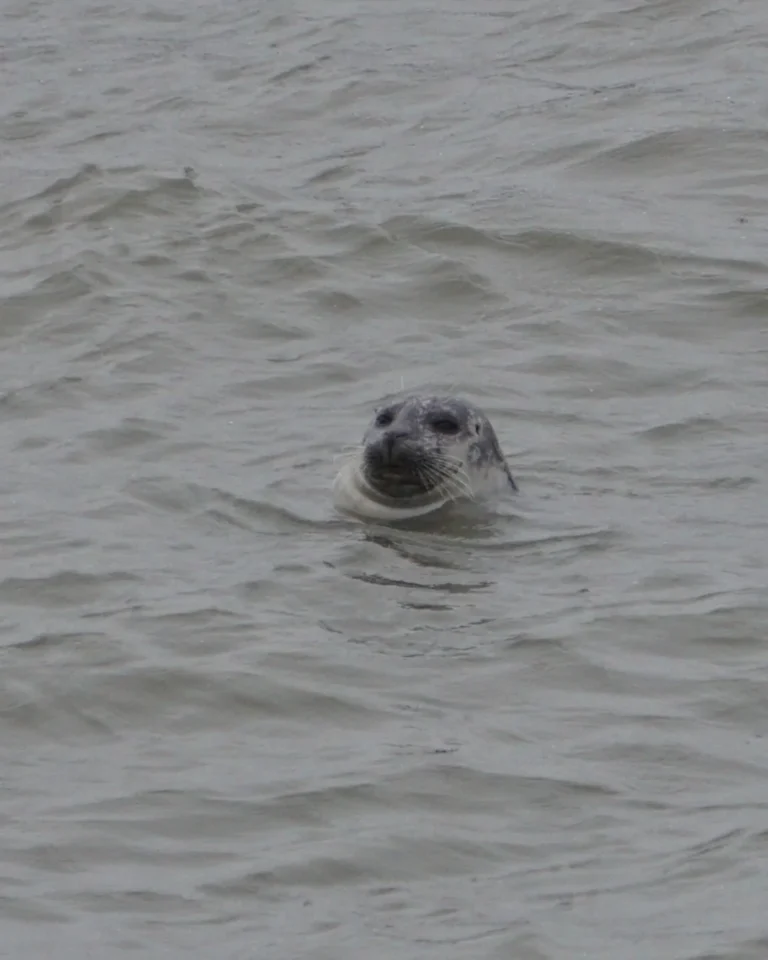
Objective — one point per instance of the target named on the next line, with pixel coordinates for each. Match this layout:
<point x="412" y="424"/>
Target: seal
<point x="420" y="452"/>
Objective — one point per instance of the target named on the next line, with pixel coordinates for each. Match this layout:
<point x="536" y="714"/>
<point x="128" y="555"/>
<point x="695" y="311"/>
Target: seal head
<point x="420" y="452"/>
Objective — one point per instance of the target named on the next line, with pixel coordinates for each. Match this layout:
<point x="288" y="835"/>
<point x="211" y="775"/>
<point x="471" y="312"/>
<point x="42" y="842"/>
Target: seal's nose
<point x="392" y="445"/>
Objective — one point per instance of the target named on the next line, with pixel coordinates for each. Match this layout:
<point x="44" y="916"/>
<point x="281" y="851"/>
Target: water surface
<point x="238" y="725"/>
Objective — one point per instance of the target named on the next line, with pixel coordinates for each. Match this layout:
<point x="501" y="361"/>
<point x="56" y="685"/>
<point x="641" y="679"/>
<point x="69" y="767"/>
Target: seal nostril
<point x="391" y="444"/>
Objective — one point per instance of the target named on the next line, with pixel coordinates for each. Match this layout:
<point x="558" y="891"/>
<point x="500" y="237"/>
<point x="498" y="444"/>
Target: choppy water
<point x="237" y="725"/>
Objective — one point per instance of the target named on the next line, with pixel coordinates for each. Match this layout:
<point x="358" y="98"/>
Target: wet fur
<point x="436" y="468"/>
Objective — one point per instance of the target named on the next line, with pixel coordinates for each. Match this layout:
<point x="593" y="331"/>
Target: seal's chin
<point x="397" y="483"/>
<point x="392" y="491"/>
<point x="354" y="494"/>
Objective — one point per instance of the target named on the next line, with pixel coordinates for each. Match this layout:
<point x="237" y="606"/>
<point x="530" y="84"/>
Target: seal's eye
<point x="445" y="425"/>
<point x="384" y="419"/>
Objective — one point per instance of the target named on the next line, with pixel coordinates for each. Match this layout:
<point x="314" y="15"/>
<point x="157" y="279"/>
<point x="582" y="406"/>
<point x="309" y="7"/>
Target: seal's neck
<point x="354" y="495"/>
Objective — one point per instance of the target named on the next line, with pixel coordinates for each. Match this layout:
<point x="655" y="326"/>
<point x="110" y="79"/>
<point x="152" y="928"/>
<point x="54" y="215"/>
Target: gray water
<point x="238" y="725"/>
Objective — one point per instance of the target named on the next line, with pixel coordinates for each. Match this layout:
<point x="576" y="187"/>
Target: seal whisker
<point x="458" y="487"/>
<point x="454" y="483"/>
<point x="431" y="480"/>
<point x="426" y="478"/>
<point x="448" y="461"/>
<point x="450" y="470"/>
<point x="446" y="467"/>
